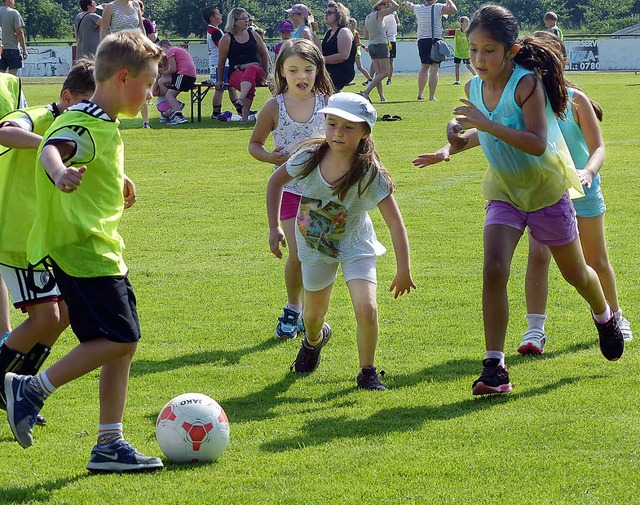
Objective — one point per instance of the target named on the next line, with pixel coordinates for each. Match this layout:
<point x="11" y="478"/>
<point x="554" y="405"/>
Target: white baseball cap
<point x="352" y="107"/>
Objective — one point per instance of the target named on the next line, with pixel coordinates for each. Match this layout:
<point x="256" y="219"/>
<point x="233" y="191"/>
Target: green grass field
<point x="209" y="292"/>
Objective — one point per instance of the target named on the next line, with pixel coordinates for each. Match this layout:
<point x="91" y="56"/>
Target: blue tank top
<point x="526" y="181"/>
<point x="593" y="202"/>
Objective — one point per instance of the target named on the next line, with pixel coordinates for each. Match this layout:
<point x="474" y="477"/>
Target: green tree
<point x="45" y="19"/>
<point x="599" y="10"/>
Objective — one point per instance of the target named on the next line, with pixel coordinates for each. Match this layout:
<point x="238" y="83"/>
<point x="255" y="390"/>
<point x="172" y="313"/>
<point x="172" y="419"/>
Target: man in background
<point x="12" y="34"/>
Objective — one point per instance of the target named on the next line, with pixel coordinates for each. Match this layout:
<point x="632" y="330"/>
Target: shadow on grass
<point x="39" y="492"/>
<point x="400" y="419"/>
<point x="219" y="357"/>
<point x="517" y="358"/>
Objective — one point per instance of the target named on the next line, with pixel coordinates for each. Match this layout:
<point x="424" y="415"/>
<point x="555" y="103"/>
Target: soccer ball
<point x="192" y="428"/>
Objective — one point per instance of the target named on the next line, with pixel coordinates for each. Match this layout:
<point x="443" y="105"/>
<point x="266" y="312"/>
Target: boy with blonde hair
<point x="79" y="189"/>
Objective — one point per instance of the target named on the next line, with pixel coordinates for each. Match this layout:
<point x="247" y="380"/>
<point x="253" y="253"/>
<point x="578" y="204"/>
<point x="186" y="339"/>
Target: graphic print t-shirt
<point x="331" y="229"/>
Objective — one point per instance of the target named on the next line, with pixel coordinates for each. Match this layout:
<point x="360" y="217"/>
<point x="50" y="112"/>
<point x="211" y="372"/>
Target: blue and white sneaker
<point x="121" y="457"/>
<point x="301" y="330"/>
<point x="22" y="407"/>
<point x="287" y="326"/>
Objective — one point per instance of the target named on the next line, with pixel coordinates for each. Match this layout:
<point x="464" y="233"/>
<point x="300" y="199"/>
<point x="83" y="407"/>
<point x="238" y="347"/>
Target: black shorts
<point x="100" y="307"/>
<point x="424" y="50"/>
<point x="466" y="61"/>
<point x="181" y="82"/>
<point x="11" y="58"/>
<point x="392" y="51"/>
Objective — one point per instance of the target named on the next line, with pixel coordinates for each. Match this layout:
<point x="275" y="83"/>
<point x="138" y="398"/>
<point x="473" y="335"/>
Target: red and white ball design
<point x="192" y="428"/>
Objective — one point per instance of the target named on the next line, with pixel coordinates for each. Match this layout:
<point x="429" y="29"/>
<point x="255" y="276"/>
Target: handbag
<point x="439" y="49"/>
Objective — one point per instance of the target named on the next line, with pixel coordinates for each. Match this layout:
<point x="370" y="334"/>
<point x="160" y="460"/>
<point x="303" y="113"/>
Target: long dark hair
<point x="535" y="54"/>
<point x="365" y="167"/>
<point x="557" y="44"/>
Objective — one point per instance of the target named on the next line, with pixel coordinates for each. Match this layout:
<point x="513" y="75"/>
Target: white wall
<point x="584" y="55"/>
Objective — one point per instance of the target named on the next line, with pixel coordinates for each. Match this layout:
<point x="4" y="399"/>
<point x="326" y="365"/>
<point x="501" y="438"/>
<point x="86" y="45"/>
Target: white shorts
<point x="318" y="275"/>
<point x="21" y="295"/>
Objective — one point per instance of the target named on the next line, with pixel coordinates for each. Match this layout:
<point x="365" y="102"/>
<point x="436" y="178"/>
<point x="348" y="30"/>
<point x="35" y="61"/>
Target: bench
<point x="198" y="92"/>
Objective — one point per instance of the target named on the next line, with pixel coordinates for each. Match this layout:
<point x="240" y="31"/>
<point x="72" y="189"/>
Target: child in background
<point x="342" y="179"/>
<point x="79" y="181"/>
<point x="353" y="26"/>
<point x="285" y="29"/>
<point x="11" y="98"/>
<point x="551" y="22"/>
<point x="27" y="347"/>
<point x="581" y="131"/>
<point x="291" y="116"/>
<point x="461" y="47"/>
<point x="178" y="76"/>
<point x="213" y="18"/>
<point x="530" y="170"/>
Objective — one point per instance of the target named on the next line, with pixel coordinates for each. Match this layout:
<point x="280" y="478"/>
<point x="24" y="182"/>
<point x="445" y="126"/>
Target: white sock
<point x="604" y="317"/>
<point x="42" y="380"/>
<point x="496" y="355"/>
<point x="618" y="314"/>
<point x="536" y="321"/>
<point x="294" y="306"/>
<point x="109" y="433"/>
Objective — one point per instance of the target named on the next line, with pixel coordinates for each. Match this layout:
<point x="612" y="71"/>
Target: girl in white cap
<point x="342" y="179"/>
<point x="291" y="116"/>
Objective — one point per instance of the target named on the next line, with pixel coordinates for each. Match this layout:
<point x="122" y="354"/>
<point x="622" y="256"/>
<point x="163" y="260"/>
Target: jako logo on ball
<point x="192" y="428"/>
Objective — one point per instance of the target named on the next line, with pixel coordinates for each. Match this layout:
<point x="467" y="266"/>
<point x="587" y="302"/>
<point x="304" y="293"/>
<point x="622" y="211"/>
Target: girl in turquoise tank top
<point x="582" y="133"/>
<point x="511" y="113"/>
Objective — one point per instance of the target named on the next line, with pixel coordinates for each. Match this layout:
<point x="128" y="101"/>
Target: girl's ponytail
<point x="542" y="55"/>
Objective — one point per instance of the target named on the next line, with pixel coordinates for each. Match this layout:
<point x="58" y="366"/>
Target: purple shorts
<point x="289" y="205"/>
<point x="554" y="225"/>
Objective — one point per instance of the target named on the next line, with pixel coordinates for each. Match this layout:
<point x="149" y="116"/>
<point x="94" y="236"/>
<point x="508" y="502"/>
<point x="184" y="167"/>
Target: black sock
<point x="10" y="361"/>
<point x="34" y="359"/>
<point x="217" y="109"/>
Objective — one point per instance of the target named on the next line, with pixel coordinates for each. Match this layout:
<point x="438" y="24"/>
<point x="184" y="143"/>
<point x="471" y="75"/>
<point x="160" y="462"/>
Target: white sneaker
<point x="177" y="118"/>
<point x="146" y="125"/>
<point x="457" y="83"/>
<point x="533" y="342"/>
<point x="625" y="328"/>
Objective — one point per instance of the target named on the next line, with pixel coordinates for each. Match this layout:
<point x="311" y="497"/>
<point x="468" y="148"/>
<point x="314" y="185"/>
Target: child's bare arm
<point x="129" y="192"/>
<point x="459" y="140"/>
<point x="17" y="138"/>
<point x="402" y="283"/>
<point x="264" y="126"/>
<point x="65" y="178"/>
<point x="274" y="196"/>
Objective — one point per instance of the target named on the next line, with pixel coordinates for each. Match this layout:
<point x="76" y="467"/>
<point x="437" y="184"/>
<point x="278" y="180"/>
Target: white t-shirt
<point x="330" y="229"/>
<point x="423" y="15"/>
<point x="391" y="26"/>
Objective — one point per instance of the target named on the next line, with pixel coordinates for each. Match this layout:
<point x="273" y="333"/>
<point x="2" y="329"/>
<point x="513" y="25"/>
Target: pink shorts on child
<point x="163" y="106"/>
<point x="554" y="225"/>
<point x="289" y="205"/>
